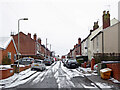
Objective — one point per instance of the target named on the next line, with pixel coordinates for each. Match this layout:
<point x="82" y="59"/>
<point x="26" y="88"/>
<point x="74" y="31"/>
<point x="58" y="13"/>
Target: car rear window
<point x="37" y="61"/>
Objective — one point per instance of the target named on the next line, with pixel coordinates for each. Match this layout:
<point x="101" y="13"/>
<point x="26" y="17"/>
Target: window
<point x="14" y="56"/>
<point x="9" y="55"/>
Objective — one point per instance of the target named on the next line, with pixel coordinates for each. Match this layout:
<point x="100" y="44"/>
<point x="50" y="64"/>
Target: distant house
<point x="76" y="51"/>
<point x="7" y="49"/>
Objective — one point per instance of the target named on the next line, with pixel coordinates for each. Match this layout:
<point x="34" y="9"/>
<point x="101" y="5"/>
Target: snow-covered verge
<point x="3" y="67"/>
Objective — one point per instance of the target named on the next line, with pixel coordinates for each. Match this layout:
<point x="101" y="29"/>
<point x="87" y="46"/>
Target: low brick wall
<point x="115" y="70"/>
<point x="24" y="68"/>
<point x="5" y="73"/>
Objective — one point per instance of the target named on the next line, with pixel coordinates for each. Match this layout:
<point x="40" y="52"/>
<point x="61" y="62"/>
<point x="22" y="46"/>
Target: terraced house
<point x="97" y="42"/>
<point x="28" y="47"/>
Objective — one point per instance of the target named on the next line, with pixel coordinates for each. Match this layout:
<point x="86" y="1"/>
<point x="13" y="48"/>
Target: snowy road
<point x="55" y="76"/>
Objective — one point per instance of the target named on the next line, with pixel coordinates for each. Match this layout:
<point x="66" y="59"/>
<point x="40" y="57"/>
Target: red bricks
<point x="115" y="69"/>
<point x="27" y="44"/>
<point x="92" y="63"/>
<point x="6" y="73"/>
<point x="24" y="68"/>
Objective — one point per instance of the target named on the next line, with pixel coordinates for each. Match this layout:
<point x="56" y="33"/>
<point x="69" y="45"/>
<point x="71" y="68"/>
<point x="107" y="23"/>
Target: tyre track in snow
<point x="89" y="80"/>
<point x="63" y="79"/>
<point x="42" y="75"/>
<point x="29" y="81"/>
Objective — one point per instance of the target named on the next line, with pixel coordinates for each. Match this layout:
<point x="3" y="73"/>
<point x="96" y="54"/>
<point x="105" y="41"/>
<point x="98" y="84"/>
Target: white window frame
<point x="14" y="56"/>
<point x="9" y="55"/>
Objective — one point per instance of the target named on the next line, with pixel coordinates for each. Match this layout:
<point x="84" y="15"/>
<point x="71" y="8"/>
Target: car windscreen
<point x="47" y="60"/>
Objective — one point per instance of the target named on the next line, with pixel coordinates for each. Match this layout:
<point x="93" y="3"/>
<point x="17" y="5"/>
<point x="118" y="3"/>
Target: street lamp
<point x="18" y="38"/>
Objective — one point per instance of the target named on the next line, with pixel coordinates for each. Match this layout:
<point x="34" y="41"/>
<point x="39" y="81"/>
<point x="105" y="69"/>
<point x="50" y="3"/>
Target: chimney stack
<point x="74" y="46"/>
<point x="79" y="41"/>
<point x="39" y="41"/>
<point x="29" y="35"/>
<point x="35" y="37"/>
<point x="95" y="25"/>
<point x="106" y="19"/>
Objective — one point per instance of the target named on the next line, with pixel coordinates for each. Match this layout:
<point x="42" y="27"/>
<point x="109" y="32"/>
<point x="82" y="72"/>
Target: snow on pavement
<point x="16" y="79"/>
<point x="19" y="82"/>
<point x="103" y="85"/>
<point x="114" y="80"/>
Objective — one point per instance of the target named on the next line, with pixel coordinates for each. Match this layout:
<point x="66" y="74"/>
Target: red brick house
<point x="31" y="47"/>
<point x="76" y="51"/>
<point x="26" y="45"/>
<point x="42" y="50"/>
<point x="7" y="49"/>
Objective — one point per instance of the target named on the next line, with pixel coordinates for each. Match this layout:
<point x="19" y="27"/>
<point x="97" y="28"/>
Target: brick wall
<point x="115" y="70"/>
<point x="6" y="73"/>
<point x="27" y="44"/>
<point x="10" y="49"/>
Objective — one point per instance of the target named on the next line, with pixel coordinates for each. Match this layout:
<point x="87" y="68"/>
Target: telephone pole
<point x="46" y="49"/>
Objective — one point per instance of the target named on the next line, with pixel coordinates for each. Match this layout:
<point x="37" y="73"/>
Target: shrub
<point x="6" y="61"/>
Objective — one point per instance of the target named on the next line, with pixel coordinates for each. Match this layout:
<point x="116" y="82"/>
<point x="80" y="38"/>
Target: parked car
<point x="52" y="60"/>
<point x="63" y="60"/>
<point x="25" y="61"/>
<point x="47" y="61"/>
<point x="38" y="65"/>
<point x="64" y="63"/>
<point x="72" y="63"/>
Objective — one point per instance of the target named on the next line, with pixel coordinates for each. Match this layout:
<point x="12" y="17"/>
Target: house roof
<point x="113" y="23"/>
<point x="5" y="41"/>
<point x="27" y="44"/>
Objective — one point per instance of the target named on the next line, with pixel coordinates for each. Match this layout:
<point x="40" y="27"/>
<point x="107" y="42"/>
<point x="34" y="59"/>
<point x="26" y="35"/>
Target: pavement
<point x="96" y="79"/>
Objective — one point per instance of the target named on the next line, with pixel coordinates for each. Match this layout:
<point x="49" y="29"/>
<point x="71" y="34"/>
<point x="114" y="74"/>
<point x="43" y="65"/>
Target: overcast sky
<point x="62" y="22"/>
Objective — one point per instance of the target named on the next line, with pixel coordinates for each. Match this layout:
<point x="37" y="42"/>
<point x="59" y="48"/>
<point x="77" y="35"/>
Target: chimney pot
<point x="104" y="12"/>
<point x="39" y="41"/>
<point x="106" y="20"/>
<point x="29" y="35"/>
<point x="35" y="37"/>
<point x="95" y="25"/>
<point x="79" y="41"/>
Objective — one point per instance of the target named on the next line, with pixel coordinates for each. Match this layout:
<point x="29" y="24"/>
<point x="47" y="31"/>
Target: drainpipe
<point x="103" y="44"/>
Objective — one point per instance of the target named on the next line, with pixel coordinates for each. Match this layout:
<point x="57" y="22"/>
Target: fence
<point x="106" y="57"/>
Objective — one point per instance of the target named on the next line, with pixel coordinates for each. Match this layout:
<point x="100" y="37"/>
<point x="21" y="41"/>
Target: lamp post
<point x="18" y="38"/>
